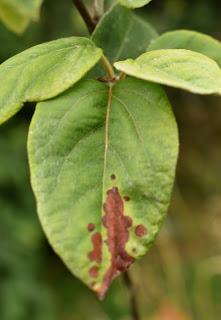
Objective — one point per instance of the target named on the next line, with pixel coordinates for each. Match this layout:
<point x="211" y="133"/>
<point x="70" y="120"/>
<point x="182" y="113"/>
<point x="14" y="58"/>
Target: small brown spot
<point x="140" y="231"/>
<point x="113" y="177"/>
<point x="96" y="254"/>
<point x="126" y="198"/>
<point x="134" y="250"/>
<point x="93" y="272"/>
<point x="91" y="227"/>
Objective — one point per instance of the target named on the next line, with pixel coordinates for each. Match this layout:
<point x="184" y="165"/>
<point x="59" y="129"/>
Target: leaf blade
<point x="44" y="71"/>
<point x="178" y="68"/>
<point x="119" y="42"/>
<point x="72" y="180"/>
<point x="190" y="40"/>
<point x="134" y="3"/>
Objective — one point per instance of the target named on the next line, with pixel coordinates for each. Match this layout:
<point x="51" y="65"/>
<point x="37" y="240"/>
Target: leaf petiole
<point x="108" y="67"/>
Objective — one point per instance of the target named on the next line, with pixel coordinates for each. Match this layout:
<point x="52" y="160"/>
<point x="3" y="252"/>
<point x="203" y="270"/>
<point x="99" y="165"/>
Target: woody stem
<point x="132" y="296"/>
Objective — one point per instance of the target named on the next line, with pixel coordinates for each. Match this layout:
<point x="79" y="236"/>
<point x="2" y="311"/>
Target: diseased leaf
<point x="190" y="40"/>
<point x="177" y="68"/>
<point x="102" y="167"/>
<point x="16" y="14"/>
<point x="122" y="34"/>
<point x="134" y="3"/>
<point x="44" y="71"/>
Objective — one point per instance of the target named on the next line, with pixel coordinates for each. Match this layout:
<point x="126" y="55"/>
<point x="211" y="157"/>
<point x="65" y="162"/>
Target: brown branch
<point x="91" y="24"/>
<point x="132" y="296"/>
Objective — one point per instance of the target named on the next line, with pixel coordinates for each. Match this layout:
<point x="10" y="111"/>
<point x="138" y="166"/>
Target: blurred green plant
<point x="17" y="14"/>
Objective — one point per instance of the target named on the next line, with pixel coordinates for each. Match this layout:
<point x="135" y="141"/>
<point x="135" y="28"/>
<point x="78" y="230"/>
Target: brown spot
<point x="126" y="198"/>
<point x="117" y="225"/>
<point x="113" y="177"/>
<point x="140" y="230"/>
<point x="93" y="272"/>
<point x="96" y="254"/>
<point x="91" y="227"/>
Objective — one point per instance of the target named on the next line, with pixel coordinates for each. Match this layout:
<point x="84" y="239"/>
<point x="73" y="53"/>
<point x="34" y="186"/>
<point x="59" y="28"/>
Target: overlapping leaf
<point x="178" y="68"/>
<point x="190" y="40"/>
<point x="44" y="71"/>
<point x="17" y="14"/>
<point x="134" y="3"/>
<point x="102" y="166"/>
<point x="122" y="34"/>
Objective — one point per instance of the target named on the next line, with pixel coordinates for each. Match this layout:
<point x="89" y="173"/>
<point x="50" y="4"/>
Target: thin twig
<point x="132" y="296"/>
<point x="91" y="24"/>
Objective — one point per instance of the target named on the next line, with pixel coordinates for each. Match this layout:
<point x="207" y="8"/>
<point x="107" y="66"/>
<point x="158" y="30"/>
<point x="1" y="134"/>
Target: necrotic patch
<point x="117" y="225"/>
<point x="96" y="254"/>
<point x="140" y="231"/>
<point x="91" y="227"/>
<point x="94" y="272"/>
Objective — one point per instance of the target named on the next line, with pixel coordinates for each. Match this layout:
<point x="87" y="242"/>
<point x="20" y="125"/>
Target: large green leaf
<point x="102" y="166"/>
<point x="190" y="40"/>
<point x="178" y="68"/>
<point x="17" y="14"/>
<point x="44" y="71"/>
<point x="122" y="34"/>
<point x="134" y="3"/>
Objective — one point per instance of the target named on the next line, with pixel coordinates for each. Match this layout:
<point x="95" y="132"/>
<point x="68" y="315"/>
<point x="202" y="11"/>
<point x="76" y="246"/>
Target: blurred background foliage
<point x="180" y="278"/>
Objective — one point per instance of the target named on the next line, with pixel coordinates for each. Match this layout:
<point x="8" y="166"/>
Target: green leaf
<point x="44" y="71"/>
<point x="190" y="40"/>
<point x="122" y="34"/>
<point x="134" y="3"/>
<point x="16" y="14"/>
<point x="102" y="166"/>
<point x="177" y="68"/>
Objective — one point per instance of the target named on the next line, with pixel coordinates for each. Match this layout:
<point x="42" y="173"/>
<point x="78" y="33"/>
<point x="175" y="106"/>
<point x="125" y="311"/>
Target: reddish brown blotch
<point x="117" y="225"/>
<point x="90" y="227"/>
<point x="94" y="271"/>
<point x="140" y="230"/>
<point x="96" y="253"/>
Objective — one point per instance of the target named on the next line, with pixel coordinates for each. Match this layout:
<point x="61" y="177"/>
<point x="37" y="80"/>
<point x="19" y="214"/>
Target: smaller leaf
<point x="12" y="19"/>
<point x="179" y="68"/>
<point x="119" y="42"/>
<point x="44" y="71"/>
<point x="190" y="40"/>
<point x="134" y="3"/>
<point x="17" y="14"/>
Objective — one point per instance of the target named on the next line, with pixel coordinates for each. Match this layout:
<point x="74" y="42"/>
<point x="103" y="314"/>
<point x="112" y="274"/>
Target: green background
<point x="180" y="277"/>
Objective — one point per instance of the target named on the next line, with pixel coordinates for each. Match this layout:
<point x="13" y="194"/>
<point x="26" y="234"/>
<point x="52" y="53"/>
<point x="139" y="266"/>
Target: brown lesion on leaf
<point x="126" y="198"/>
<point x="91" y="227"/>
<point x="93" y="272"/>
<point x="113" y="176"/>
<point x="140" y="231"/>
<point x="117" y="225"/>
<point x="96" y="254"/>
